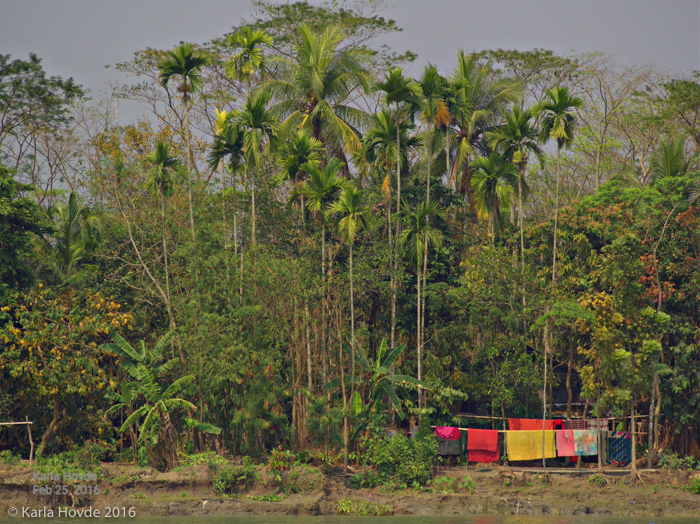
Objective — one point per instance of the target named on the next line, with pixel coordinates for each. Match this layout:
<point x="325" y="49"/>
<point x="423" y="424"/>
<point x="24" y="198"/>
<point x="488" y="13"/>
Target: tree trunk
<point x="418" y="339"/>
<point x="598" y="432"/>
<point x="393" y="284"/>
<point x="522" y="234"/>
<point x="189" y="167"/>
<point x="634" y="438"/>
<point x="556" y="219"/>
<point x="252" y="185"/>
<point x="308" y="350"/>
<point x="53" y="426"/>
<point x="544" y="392"/>
<point x="652" y="407"/>
<point x="569" y="391"/>
<point x="346" y="434"/>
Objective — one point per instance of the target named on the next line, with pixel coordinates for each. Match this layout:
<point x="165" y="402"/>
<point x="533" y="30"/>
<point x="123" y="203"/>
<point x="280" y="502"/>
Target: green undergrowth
<point x="357" y="508"/>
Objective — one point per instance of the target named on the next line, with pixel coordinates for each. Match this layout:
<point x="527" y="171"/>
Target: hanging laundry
<point x="578" y="423"/>
<point x="585" y="442"/>
<point x="619" y="448"/>
<point x="558" y="424"/>
<point x="482" y="445"/>
<point x="447" y="433"/>
<point x="527" y="445"/>
<point x="592" y="424"/>
<point x="565" y="443"/>
<point x="529" y="424"/>
<point x="448" y="447"/>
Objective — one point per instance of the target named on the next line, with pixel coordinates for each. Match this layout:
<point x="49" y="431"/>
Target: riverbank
<point x="306" y="490"/>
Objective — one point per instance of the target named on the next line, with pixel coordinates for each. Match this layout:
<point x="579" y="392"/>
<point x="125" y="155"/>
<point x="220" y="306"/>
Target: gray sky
<point x="79" y="37"/>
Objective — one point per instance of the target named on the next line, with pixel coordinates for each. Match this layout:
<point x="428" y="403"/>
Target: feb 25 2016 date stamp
<point x="65" y="483"/>
<point x="65" y="512"/>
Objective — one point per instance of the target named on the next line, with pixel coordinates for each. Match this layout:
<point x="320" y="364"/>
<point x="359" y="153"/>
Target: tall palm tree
<point x="353" y="218"/>
<point x="492" y="181"/>
<point x="250" y="57"/>
<point x="314" y="90"/>
<point x="320" y="189"/>
<point x="557" y="116"/>
<point x="397" y="90"/>
<point x="477" y="104"/>
<point x="184" y="62"/>
<point x="516" y="139"/>
<point x="259" y="128"/>
<point x="298" y="150"/>
<point x="412" y="242"/>
<point x="228" y="144"/>
<point x="160" y="180"/>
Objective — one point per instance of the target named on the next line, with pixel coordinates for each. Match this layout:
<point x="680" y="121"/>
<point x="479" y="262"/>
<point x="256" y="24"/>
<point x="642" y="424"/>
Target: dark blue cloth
<point x="619" y="448"/>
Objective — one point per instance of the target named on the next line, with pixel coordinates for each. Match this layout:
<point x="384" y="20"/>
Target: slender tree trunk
<point x="425" y="254"/>
<point x="634" y="438"/>
<point x="252" y="184"/>
<point x="657" y="415"/>
<point x="308" y="349"/>
<point x="598" y="432"/>
<point x="352" y="329"/>
<point x="569" y="391"/>
<point x="585" y="411"/>
<point x="418" y="333"/>
<point x="544" y="393"/>
<point x="165" y="242"/>
<point x="189" y="167"/>
<point x="53" y="426"/>
<point x="393" y="283"/>
<point x="650" y="430"/>
<point x="447" y="157"/>
<point x="324" y="305"/>
<point x="522" y="234"/>
<point x="556" y="219"/>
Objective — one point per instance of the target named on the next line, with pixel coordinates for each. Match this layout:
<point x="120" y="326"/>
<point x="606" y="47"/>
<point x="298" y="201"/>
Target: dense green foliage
<point x="316" y="245"/>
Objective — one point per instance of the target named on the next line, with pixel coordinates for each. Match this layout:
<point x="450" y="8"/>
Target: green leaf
<point x="357" y="404"/>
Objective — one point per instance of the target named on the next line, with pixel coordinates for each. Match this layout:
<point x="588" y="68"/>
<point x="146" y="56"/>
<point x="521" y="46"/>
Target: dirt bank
<point x="498" y="491"/>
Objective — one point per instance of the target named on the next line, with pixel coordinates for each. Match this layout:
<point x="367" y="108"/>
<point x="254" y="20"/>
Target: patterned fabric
<point x="585" y="442"/>
<point x="619" y="448"/>
<point x="575" y="424"/>
<point x="592" y="424"/>
<point x="565" y="443"/>
<point x="527" y="445"/>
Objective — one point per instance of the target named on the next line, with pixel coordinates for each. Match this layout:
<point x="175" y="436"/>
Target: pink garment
<point x="447" y="433"/>
<point x="565" y="443"/>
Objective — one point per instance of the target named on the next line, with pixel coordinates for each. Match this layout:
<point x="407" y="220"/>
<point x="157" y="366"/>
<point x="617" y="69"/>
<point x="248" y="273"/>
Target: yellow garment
<point x="527" y="445"/>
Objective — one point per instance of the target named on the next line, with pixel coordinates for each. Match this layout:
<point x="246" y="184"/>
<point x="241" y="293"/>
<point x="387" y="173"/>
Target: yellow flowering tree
<point x="49" y="351"/>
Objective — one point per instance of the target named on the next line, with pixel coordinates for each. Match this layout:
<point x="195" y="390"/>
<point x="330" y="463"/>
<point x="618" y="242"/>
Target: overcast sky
<point x="77" y="38"/>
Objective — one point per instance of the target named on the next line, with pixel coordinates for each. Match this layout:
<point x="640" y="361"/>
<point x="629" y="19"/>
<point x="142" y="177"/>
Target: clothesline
<point x="467" y="429"/>
<point x="467" y="415"/>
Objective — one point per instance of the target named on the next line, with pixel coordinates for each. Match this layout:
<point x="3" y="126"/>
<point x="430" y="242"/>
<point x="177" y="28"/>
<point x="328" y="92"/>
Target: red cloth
<point x="565" y="443"/>
<point x="529" y="424"/>
<point x="447" y="433"/>
<point x="482" y="445"/>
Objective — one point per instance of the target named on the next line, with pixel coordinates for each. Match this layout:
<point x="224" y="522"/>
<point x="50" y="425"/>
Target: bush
<point x="401" y="461"/>
<point x="235" y="479"/>
<point x="7" y="457"/>
<point x="693" y="487"/>
<point x="673" y="461"/>
<point x="362" y="509"/>
<point x="210" y="458"/>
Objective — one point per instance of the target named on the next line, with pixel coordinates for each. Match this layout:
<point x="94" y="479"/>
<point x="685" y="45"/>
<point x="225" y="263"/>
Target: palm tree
<point x="294" y="153"/>
<point x="558" y="121"/>
<point x="315" y="89"/>
<point x="516" y="138"/>
<point x="78" y="230"/>
<point x="492" y="182"/>
<point x="411" y="243"/>
<point x="397" y="89"/>
<point x="259" y="127"/>
<point x="250" y="58"/>
<point x="353" y="218"/>
<point x="185" y="63"/>
<point x="228" y="143"/>
<point x="320" y="189"/>
<point x="477" y="104"/>
<point x="160" y="179"/>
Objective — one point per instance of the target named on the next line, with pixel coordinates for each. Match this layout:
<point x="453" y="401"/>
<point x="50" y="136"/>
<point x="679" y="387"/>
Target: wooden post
<point x="31" y="442"/>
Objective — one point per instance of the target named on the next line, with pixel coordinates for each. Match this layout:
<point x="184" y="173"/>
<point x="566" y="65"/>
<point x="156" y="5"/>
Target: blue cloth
<point x="619" y="448"/>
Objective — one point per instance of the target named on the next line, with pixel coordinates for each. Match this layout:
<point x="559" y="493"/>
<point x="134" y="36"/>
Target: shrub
<point x="673" y="461"/>
<point x="7" y="457"/>
<point x="401" y="461"/>
<point x="693" y="487"/>
<point x="235" y="479"/>
<point x="362" y="509"/>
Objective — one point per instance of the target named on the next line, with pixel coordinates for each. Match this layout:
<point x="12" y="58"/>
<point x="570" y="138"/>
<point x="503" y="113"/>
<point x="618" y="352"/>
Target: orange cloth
<point x="529" y="424"/>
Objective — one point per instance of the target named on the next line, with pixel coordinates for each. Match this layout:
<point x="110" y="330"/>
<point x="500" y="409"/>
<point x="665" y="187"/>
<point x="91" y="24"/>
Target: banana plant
<point x="381" y="382"/>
